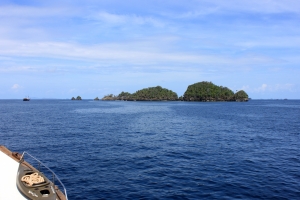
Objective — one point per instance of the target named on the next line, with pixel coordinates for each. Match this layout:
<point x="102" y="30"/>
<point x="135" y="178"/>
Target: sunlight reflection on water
<point x="128" y="109"/>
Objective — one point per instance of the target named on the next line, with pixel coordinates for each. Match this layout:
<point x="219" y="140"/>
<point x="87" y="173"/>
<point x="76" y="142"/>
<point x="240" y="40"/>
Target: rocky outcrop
<point x="109" y="97"/>
<point x="77" y="98"/>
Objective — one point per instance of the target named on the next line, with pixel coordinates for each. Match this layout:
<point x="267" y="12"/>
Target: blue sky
<point x="60" y="49"/>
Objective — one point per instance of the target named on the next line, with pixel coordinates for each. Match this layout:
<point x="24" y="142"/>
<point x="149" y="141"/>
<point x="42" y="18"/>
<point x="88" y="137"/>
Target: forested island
<point x="147" y="94"/>
<point x="201" y="91"/>
<point x="207" y="91"/>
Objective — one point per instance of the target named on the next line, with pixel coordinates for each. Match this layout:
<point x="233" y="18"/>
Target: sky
<point x="91" y="48"/>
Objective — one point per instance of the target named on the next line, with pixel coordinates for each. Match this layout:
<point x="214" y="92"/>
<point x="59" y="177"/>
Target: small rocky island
<point x="77" y="98"/>
<point x="201" y="91"/>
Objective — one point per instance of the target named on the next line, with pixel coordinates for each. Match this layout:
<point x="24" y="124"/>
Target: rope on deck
<point x="33" y="178"/>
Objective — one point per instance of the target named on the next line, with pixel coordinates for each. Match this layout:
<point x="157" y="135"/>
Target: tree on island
<point x="154" y="94"/>
<point x="109" y="97"/>
<point x="147" y="94"/>
<point x="202" y="91"/>
<point x="124" y="96"/>
<point x="241" y="96"/>
<point x="207" y="91"/>
<point x="96" y="99"/>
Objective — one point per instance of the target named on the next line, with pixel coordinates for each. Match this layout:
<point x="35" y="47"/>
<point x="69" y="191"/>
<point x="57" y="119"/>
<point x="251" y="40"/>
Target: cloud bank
<point x="233" y="43"/>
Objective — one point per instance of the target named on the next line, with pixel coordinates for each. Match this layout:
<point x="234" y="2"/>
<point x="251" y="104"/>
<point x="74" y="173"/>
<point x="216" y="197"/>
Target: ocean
<point x="161" y="150"/>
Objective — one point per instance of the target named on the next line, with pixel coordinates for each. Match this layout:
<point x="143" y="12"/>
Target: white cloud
<point x="245" y="87"/>
<point x="14" y="67"/>
<point x="202" y="10"/>
<point x="218" y="7"/>
<point x="262" y="88"/>
<point x="16" y="87"/>
<point x="72" y="90"/>
<point x="149" y="53"/>
<point x="287" y="86"/>
<point x="111" y="18"/>
<point x="128" y="20"/>
<point x="17" y="11"/>
<point x="260" y="6"/>
<point x="270" y="41"/>
<point x="207" y="39"/>
<point x="274" y="88"/>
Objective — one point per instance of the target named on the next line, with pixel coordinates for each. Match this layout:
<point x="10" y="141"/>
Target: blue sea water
<point x="161" y="150"/>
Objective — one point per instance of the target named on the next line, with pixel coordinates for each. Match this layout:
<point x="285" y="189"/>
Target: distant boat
<point x="26" y="99"/>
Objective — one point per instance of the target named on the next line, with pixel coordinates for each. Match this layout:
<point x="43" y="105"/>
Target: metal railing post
<point x="54" y="176"/>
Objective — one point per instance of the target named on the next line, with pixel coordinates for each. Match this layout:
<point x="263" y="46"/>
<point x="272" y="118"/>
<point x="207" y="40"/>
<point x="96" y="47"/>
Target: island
<point x="202" y="91"/>
<point x="207" y="91"/>
<point x="77" y="98"/>
<point x="147" y="94"/>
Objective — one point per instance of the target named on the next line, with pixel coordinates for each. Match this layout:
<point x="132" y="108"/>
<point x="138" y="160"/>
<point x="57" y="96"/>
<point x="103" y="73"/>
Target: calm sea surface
<point x="161" y="150"/>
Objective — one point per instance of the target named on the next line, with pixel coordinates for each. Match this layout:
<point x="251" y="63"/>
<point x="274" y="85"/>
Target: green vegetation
<point x="154" y="94"/>
<point x="202" y="91"/>
<point x="207" y="91"/>
<point x="124" y="96"/>
<point x="147" y="94"/>
<point x="241" y="96"/>
<point x="109" y="97"/>
<point x="96" y="99"/>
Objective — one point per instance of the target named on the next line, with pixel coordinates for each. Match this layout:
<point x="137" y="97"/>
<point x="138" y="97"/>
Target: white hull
<point x="9" y="168"/>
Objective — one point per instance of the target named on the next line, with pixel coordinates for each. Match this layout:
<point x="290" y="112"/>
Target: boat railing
<point x="54" y="176"/>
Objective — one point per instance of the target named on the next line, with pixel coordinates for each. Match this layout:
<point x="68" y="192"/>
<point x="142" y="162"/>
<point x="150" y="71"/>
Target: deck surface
<point x="8" y="173"/>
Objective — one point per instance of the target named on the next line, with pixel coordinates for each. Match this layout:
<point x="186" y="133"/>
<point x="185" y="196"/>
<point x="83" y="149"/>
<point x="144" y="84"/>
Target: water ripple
<point x="161" y="150"/>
